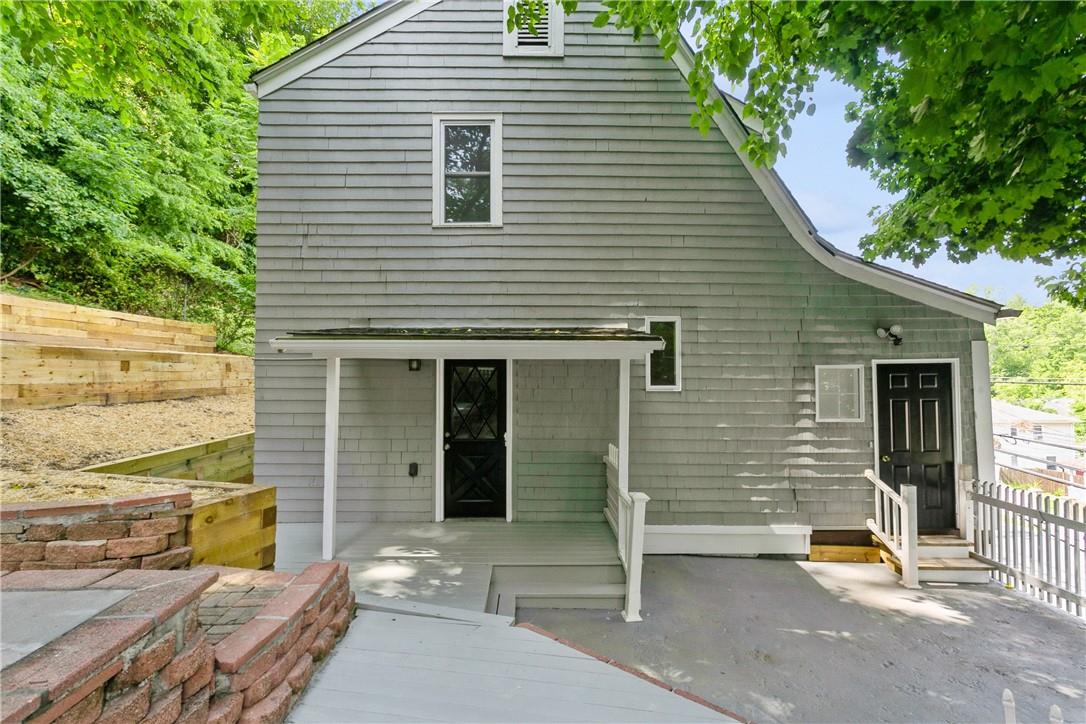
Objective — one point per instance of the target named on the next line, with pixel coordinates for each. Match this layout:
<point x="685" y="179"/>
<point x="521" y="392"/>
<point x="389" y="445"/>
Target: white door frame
<point x="439" y="440"/>
<point x="956" y="407"/>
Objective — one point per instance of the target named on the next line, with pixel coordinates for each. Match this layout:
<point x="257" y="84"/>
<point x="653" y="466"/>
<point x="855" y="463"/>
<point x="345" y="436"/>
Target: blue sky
<point x="838" y="197"/>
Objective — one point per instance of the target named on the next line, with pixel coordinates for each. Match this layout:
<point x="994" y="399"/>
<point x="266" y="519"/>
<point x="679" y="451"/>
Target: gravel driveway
<point x="784" y="641"/>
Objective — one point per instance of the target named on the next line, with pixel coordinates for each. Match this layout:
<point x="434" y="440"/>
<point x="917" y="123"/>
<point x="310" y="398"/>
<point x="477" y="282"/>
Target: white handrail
<point x="895" y="524"/>
<point x="625" y="512"/>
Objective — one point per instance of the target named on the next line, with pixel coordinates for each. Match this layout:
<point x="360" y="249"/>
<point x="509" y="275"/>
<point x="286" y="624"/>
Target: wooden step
<point x="943" y="546"/>
<point x="610" y="596"/>
<point x="844" y="554"/>
<point x="944" y="570"/>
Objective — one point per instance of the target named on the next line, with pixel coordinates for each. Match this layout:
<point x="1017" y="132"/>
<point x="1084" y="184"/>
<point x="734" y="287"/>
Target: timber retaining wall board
<point x="227" y="460"/>
<point x="34" y="320"/>
<point x="237" y="530"/>
<point x="40" y="376"/>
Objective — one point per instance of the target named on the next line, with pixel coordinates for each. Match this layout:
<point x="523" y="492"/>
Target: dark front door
<point x="475" y="438"/>
<point x="916" y="437"/>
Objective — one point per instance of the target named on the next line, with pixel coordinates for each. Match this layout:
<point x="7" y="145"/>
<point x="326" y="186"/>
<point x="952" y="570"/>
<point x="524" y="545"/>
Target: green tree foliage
<point x="129" y="150"/>
<point x="973" y="112"/>
<point x="1045" y="342"/>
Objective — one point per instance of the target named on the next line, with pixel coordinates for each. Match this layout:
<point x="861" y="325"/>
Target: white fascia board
<point x="803" y="231"/>
<point x="331" y="46"/>
<point x="466" y="348"/>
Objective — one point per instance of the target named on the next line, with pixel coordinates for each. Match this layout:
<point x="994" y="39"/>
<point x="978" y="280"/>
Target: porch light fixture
<point x="414" y="365"/>
<point x="893" y="333"/>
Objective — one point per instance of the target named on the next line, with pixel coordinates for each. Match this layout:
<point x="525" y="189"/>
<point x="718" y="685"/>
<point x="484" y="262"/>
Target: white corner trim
<point x="723" y="540"/>
<point x="803" y="231"/>
<point x="859" y="391"/>
<point x="342" y="40"/>
<point x="982" y="411"/>
<point x="678" y="386"/>
<point x="437" y="180"/>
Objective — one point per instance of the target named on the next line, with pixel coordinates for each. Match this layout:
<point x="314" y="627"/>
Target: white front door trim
<point x="956" y="397"/>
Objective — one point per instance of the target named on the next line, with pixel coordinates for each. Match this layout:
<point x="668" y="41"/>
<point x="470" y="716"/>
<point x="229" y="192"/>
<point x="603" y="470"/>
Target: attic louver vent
<point x="541" y="37"/>
<point x="545" y="42"/>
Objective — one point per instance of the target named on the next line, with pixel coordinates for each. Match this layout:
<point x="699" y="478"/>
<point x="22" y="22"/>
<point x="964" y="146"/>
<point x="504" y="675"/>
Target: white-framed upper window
<point x="467" y="169"/>
<point x="664" y="367"/>
<point x="1038" y="432"/>
<point x="547" y="40"/>
<point x="839" y="393"/>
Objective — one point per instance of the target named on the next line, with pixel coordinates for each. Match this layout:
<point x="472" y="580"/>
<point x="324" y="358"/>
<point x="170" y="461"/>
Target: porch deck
<point x="469" y="563"/>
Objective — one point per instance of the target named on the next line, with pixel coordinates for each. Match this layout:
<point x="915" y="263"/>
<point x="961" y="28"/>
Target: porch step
<point x="943" y="546"/>
<point x="610" y="596"/>
<point x="944" y="570"/>
<point x="560" y="574"/>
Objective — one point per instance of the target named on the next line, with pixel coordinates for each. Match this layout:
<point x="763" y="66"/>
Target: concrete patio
<point x="788" y="641"/>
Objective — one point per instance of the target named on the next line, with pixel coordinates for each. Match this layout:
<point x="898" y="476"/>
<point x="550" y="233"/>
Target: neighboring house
<point x="1037" y="440"/>
<point x="496" y="254"/>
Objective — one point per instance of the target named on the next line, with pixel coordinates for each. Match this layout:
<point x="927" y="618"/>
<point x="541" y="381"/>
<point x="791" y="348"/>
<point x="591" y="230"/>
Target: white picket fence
<point x="1010" y="710"/>
<point x="1034" y="540"/>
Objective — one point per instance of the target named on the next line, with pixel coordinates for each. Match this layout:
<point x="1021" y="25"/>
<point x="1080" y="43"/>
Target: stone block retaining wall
<point x="266" y="661"/>
<point x="151" y="658"/>
<point x="138" y="531"/>
<point x="144" y="659"/>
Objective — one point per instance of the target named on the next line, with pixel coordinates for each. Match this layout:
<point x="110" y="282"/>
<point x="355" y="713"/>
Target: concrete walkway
<point x="840" y="642"/>
<point x="415" y="662"/>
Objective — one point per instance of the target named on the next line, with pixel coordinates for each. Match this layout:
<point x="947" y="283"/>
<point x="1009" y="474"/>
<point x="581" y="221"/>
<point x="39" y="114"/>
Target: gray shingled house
<point x="501" y="277"/>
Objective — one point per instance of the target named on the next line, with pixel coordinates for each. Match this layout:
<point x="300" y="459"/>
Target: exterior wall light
<point x="414" y="365"/>
<point x="893" y="333"/>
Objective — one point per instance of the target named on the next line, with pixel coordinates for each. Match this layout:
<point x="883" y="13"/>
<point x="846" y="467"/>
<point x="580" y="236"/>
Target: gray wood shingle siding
<point x="614" y="208"/>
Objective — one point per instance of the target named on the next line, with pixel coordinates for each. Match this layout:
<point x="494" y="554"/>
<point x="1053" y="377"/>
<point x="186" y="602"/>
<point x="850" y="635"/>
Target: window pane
<point x="467" y="199"/>
<point x="839" y="393"/>
<point x="467" y="149"/>
<point x="662" y="362"/>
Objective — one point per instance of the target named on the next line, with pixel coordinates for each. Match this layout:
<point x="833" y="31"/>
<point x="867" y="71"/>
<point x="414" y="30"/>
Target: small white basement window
<point x="467" y="170"/>
<point x="546" y="42"/>
<point x="839" y="393"/>
<point x="664" y="367"/>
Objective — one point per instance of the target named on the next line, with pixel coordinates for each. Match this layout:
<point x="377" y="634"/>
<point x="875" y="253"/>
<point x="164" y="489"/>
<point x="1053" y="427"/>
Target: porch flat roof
<point x="472" y="342"/>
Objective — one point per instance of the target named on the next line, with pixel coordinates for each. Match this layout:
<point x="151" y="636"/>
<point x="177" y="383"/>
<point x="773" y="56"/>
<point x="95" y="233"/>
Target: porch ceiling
<point x="471" y="342"/>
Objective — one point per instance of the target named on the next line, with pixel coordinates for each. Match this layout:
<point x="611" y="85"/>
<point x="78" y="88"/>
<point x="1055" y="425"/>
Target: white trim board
<point x="467" y="348"/>
<point x="723" y="540"/>
<point x="342" y="40"/>
<point x="956" y="405"/>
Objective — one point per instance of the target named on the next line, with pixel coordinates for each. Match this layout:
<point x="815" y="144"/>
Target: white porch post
<point x="624" y="425"/>
<point x="331" y="459"/>
<point x="982" y="411"/>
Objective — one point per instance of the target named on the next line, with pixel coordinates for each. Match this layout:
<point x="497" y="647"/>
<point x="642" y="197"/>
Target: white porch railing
<point x="1034" y="540"/>
<point x="625" y="512"/>
<point x="895" y="525"/>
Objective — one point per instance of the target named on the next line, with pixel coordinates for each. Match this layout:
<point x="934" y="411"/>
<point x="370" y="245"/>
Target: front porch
<point x="474" y="564"/>
<point x="512" y="436"/>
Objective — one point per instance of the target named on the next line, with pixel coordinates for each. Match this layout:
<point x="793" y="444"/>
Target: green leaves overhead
<point x="129" y="149"/>
<point x="972" y="112"/>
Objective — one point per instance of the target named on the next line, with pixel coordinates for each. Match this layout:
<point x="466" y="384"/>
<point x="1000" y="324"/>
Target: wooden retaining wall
<point x="228" y="460"/>
<point x="238" y="530"/>
<point x="23" y="319"/>
<point x="39" y="376"/>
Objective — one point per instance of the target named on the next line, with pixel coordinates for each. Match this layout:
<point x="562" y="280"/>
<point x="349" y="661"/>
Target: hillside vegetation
<point x="129" y="151"/>
<point x="1044" y="343"/>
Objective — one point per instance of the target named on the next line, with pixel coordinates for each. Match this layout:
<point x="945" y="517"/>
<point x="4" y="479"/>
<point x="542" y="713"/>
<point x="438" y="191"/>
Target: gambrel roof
<point x="390" y="14"/>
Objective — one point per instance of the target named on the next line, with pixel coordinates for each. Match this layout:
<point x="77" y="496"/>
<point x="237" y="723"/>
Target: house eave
<point x="477" y="343"/>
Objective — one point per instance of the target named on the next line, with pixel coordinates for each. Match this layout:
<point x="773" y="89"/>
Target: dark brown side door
<point x="916" y="437"/>
<point x="474" y="438"/>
